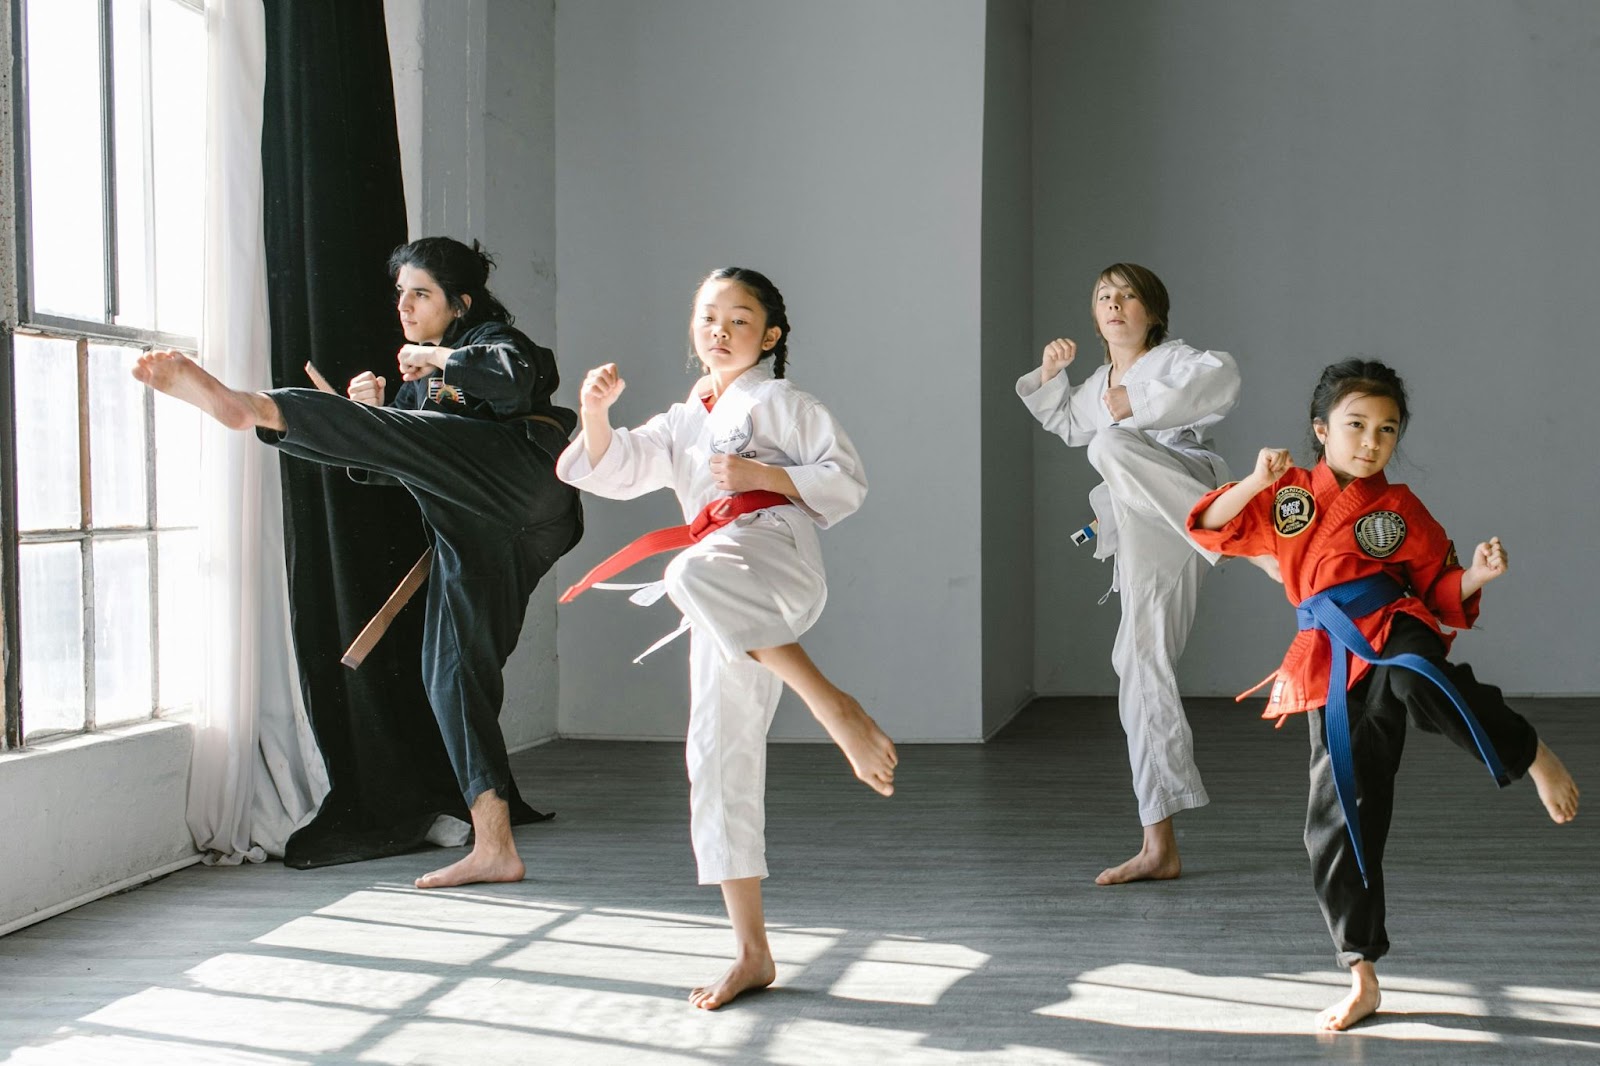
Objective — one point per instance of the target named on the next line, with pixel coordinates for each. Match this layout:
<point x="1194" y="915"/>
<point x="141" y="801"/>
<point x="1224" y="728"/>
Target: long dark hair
<point x="1355" y="377"/>
<point x="771" y="301"/>
<point x="459" y="271"/>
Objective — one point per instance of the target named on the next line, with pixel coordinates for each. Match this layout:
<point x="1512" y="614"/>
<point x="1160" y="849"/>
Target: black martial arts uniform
<point x="475" y="444"/>
<point x="1380" y="704"/>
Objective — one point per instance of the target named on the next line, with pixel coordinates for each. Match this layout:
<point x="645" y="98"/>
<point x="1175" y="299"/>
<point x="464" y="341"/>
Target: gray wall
<point x="475" y="96"/>
<point x="1007" y="324"/>
<point x="838" y="147"/>
<point x="1410" y="181"/>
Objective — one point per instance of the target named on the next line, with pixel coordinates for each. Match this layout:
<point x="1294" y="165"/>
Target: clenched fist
<point x="366" y="387"/>
<point x="731" y="473"/>
<point x="1490" y="559"/>
<point x="1271" y="464"/>
<point x="600" y="389"/>
<point x="1058" y="355"/>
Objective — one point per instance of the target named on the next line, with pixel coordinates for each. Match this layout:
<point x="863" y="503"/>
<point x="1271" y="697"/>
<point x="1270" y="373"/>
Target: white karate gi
<point x="1156" y="464"/>
<point x="755" y="583"/>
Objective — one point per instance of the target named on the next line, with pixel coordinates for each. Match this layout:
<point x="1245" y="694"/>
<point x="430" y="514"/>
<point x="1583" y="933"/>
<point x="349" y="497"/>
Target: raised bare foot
<point x="1148" y="865"/>
<point x="869" y="749"/>
<point x="1557" y="791"/>
<point x="1363" y="1000"/>
<point x="479" y="866"/>
<point x="747" y="974"/>
<point x="182" y="378"/>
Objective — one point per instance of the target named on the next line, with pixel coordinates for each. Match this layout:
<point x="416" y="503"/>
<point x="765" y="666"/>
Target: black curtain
<point x="334" y="210"/>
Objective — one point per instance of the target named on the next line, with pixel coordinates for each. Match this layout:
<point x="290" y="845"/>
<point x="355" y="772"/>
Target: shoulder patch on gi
<point x="1293" y="508"/>
<point x="1380" y="533"/>
<point x="1450" y="558"/>
<point x="735" y="438"/>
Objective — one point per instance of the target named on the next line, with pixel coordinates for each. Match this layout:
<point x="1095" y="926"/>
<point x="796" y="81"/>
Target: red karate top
<point x="1323" y="536"/>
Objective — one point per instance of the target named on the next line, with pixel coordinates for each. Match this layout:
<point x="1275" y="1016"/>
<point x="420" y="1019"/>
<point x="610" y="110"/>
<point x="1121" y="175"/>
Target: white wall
<point x="1412" y="182"/>
<point x="90" y="814"/>
<point x="474" y="93"/>
<point x="836" y="146"/>
<point x="1008" y="579"/>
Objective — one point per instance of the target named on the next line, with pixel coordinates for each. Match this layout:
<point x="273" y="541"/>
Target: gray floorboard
<point x="955" y="923"/>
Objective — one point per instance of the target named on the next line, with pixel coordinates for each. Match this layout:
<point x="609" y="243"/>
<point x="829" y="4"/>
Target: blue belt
<point x="1333" y="611"/>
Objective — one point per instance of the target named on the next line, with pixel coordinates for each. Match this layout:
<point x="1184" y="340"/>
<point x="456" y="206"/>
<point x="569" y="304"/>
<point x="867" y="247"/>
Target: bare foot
<point x="747" y="974"/>
<point x="1157" y="859"/>
<point x="869" y="749"/>
<point x="182" y="378"/>
<point x="479" y="866"/>
<point x="1145" y="866"/>
<point x="1557" y="791"/>
<point x="1268" y="565"/>
<point x="1362" y="1000"/>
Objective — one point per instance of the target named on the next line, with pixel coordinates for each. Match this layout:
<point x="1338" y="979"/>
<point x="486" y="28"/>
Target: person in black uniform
<point x="472" y="435"/>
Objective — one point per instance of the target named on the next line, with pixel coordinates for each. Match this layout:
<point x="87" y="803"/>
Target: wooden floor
<point x="956" y="923"/>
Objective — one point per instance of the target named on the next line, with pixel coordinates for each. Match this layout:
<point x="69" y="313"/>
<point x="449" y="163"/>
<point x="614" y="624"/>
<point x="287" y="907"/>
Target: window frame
<point x="16" y="269"/>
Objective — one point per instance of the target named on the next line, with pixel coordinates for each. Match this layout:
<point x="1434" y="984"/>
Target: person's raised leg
<point x="1363" y="999"/>
<point x="493" y="857"/>
<point x="753" y="967"/>
<point x="870" y="751"/>
<point x="183" y="379"/>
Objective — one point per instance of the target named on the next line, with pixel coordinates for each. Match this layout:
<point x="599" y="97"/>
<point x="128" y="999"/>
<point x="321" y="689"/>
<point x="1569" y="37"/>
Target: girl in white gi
<point x="748" y="589"/>
<point x="1144" y="417"/>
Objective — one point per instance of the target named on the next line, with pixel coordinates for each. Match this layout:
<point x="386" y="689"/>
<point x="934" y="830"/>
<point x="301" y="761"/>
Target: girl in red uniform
<point x="1369" y="568"/>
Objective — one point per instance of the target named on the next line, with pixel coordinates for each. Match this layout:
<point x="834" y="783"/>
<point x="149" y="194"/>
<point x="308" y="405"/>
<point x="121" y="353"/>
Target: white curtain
<point x="256" y="774"/>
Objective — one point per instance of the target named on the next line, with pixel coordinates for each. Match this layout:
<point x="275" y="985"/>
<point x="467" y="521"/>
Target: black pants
<point x="498" y="518"/>
<point x="1380" y="704"/>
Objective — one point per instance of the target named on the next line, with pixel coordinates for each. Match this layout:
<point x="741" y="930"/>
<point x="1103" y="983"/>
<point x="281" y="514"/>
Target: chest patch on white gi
<point x="1380" y="533"/>
<point x="734" y="439"/>
<point x="1292" y="510"/>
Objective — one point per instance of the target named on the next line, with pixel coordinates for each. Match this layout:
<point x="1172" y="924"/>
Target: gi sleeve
<point x="638" y="461"/>
<point x="827" y="472"/>
<point x="1250" y="532"/>
<point x="502" y="368"/>
<point x="1433" y="570"/>
<point x="1074" y="414"/>
<point x="1199" y="387"/>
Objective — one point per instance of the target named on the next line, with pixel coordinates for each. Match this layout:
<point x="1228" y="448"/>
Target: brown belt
<point x="370" y="634"/>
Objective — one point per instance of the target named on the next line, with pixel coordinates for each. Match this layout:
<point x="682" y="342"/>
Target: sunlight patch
<point x="421" y="1043"/>
<point x="113" y="1050"/>
<point x="670" y="933"/>
<point x="235" y="1021"/>
<point x="382" y="941"/>
<point x="619" y="965"/>
<point x="897" y="970"/>
<point x="320" y="982"/>
<point x="1156" y="997"/>
<point x="651" y="1021"/>
<point x="443" y="912"/>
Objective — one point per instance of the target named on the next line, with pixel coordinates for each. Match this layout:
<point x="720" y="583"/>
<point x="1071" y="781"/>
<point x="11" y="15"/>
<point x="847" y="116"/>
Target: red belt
<point x="711" y="518"/>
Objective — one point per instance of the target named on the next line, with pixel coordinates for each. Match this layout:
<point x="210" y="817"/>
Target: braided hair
<point x="1355" y="377"/>
<point x="771" y="300"/>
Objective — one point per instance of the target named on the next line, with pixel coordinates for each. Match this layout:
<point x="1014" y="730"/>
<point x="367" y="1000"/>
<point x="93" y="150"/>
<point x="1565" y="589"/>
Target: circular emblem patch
<point x="734" y="439"/>
<point x="1292" y="510"/>
<point x="1380" y="533"/>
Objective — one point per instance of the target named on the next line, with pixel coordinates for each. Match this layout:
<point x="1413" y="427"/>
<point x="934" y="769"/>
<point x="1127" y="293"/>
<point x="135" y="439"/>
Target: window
<point x="103" y="557"/>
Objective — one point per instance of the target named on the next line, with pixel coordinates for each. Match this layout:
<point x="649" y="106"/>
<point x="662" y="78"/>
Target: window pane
<point x="177" y="88"/>
<point x="48" y="494"/>
<point x="64" y="144"/>
<point x="51" y="600"/>
<point x="122" y="630"/>
<point x="179" y="618"/>
<point x="135" y="251"/>
<point x="177" y="463"/>
<point x="116" y="439"/>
